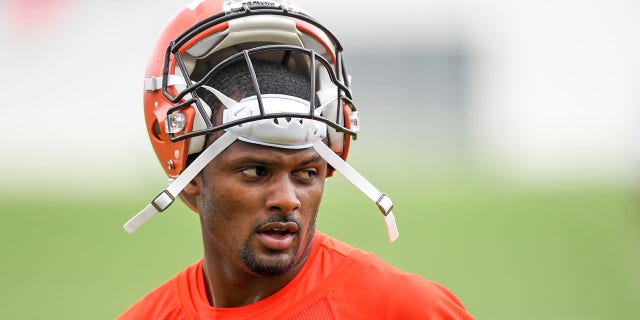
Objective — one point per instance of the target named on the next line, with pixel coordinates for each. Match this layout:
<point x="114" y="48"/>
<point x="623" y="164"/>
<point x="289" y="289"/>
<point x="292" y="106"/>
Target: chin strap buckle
<point x="384" y="204"/>
<point x="163" y="200"/>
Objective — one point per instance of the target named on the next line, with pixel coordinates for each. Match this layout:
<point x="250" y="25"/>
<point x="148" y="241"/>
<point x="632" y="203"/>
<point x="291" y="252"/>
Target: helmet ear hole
<point x="155" y="130"/>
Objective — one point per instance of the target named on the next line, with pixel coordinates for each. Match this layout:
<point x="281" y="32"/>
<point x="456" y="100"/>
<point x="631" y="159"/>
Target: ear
<point x="191" y="192"/>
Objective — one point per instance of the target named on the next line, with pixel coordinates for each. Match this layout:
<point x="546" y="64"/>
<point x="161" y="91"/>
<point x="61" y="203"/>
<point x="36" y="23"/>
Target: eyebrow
<point x="315" y="159"/>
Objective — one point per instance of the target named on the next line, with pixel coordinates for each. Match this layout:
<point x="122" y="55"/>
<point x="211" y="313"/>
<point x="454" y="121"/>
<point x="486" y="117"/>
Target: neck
<point x="226" y="290"/>
<point x="228" y="286"/>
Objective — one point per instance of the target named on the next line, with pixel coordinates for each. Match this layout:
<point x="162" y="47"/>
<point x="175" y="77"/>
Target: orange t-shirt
<point x="337" y="282"/>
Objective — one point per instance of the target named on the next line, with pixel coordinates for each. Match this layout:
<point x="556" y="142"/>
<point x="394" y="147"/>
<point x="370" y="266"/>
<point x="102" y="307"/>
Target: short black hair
<point x="235" y="81"/>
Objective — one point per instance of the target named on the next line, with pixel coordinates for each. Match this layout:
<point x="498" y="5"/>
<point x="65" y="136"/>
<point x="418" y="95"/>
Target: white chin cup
<point x="289" y="132"/>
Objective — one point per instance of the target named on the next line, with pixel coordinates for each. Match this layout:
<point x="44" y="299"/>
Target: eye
<point x="254" y="172"/>
<point x="307" y="174"/>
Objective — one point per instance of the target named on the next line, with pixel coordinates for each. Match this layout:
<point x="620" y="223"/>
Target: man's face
<point x="258" y="207"/>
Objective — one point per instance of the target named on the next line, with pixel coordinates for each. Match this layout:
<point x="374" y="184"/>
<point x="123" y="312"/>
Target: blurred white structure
<point x="550" y="87"/>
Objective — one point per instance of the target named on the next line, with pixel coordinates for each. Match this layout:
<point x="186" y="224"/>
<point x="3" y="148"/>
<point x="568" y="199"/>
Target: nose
<point x="283" y="196"/>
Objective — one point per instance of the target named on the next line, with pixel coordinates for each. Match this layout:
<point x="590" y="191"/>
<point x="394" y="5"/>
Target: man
<point x="249" y="110"/>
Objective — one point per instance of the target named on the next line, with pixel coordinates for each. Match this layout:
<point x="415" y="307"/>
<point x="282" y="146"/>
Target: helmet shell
<point x="172" y="154"/>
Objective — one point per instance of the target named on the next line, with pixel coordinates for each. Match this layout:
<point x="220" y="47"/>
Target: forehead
<point x="240" y="150"/>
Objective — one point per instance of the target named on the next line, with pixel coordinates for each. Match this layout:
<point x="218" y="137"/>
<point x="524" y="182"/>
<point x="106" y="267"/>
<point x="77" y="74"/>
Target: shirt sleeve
<point x="161" y="303"/>
<point x="373" y="289"/>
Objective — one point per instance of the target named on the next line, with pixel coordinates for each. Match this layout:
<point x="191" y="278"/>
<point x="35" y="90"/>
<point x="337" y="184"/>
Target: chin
<point x="273" y="265"/>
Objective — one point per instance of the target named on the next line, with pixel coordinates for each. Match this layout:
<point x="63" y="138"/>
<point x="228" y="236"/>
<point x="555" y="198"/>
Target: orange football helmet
<point x="208" y="35"/>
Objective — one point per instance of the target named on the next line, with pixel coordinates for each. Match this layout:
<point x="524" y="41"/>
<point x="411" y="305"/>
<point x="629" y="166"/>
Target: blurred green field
<point x="508" y="253"/>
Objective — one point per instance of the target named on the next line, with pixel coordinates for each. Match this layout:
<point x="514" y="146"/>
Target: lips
<point x="277" y="235"/>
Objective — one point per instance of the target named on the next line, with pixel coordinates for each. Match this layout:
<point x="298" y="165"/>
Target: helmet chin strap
<point x="165" y="198"/>
<point x="381" y="199"/>
<point x="296" y="134"/>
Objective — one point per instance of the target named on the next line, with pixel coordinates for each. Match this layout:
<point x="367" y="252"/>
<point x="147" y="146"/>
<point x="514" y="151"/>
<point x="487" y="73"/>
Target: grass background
<point x="508" y="251"/>
<point x="566" y="250"/>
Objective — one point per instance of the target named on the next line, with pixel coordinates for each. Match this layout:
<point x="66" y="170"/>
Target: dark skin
<point x="258" y="207"/>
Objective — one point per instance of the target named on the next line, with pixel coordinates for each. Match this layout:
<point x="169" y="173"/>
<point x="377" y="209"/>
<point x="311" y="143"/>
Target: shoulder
<point x="379" y="273"/>
<point x="390" y="293"/>
<point x="332" y="246"/>
<point x="163" y="302"/>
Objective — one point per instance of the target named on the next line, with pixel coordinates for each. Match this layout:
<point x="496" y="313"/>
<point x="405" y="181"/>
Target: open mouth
<point x="278" y="228"/>
<point x="277" y="235"/>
